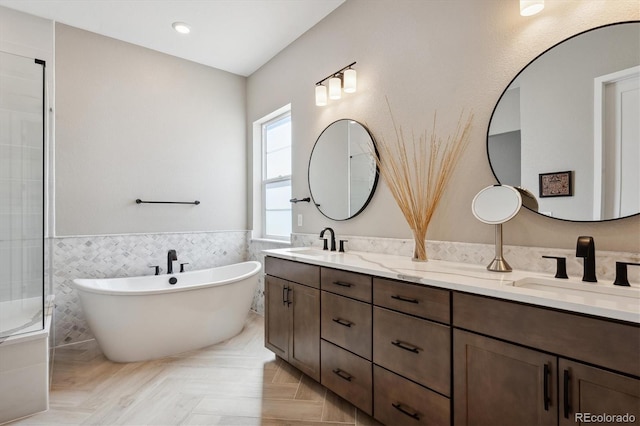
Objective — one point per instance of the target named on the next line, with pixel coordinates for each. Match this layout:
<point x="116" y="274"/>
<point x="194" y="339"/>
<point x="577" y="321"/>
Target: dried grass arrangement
<point x="417" y="172"/>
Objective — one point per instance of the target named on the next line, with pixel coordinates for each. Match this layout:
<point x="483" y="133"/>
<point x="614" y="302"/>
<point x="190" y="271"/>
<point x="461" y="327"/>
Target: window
<point x="276" y="177"/>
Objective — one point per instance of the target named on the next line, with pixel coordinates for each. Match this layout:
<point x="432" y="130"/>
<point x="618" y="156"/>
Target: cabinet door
<point x="500" y="383"/>
<point x="304" y="346"/>
<point x="589" y="391"/>
<point x="276" y="316"/>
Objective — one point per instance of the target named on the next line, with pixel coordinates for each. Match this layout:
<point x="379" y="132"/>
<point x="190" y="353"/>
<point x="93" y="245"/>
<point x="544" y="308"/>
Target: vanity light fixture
<point x="335" y="88"/>
<point x="343" y="79"/>
<point x="531" y="7"/>
<point x="181" y="27"/>
<point x="321" y="94"/>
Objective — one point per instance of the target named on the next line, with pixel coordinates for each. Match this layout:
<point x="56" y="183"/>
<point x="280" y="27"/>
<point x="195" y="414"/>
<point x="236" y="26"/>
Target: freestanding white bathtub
<point x="142" y="318"/>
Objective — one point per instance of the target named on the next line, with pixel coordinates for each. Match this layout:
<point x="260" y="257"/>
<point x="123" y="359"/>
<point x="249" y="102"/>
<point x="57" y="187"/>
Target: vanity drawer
<point x="347" y="375"/>
<point x="398" y="401"/>
<point x="293" y="271"/>
<point x="415" y="348"/>
<point x="422" y="301"/>
<point x="350" y="284"/>
<point x="347" y="323"/>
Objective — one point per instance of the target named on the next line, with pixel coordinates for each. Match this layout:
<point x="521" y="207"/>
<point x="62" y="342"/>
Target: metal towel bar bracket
<point x="295" y="200"/>
<point x="139" y="201"/>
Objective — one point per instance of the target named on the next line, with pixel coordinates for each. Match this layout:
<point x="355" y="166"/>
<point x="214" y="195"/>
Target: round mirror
<point x="342" y="170"/>
<point x="566" y="129"/>
<point x="496" y="204"/>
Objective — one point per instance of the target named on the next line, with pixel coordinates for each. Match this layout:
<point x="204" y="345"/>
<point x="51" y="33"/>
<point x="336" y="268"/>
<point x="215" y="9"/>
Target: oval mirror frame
<point x="494" y="164"/>
<point x="320" y="165"/>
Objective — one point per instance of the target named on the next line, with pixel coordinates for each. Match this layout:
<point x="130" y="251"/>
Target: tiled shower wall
<point x="127" y="256"/>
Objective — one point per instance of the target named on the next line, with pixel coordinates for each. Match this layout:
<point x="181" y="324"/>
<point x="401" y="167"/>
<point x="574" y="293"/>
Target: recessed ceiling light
<point x="181" y="27"/>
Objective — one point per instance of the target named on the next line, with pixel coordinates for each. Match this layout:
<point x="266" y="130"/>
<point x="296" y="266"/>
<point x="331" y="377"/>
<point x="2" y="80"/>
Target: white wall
<point x="444" y="55"/>
<point x="134" y="123"/>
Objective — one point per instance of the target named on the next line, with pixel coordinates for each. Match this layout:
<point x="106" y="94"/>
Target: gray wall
<point x="134" y="123"/>
<point x="426" y="56"/>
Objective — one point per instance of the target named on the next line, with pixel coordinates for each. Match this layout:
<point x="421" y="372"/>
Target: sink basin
<point x="581" y="292"/>
<point x="308" y="252"/>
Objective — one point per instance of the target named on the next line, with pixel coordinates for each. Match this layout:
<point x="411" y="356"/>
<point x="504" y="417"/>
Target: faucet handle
<point x="157" y="269"/>
<point x="182" y="266"/>
<point x="621" y="273"/>
<point x="341" y="249"/>
<point x="561" y="266"/>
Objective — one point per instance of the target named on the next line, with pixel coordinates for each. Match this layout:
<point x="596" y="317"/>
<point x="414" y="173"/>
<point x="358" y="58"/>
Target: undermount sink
<point x="592" y="293"/>
<point x="308" y="252"/>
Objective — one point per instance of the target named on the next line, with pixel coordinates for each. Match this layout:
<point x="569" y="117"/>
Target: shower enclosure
<point x="21" y="195"/>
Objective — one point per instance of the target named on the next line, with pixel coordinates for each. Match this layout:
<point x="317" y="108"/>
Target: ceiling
<point x="238" y="36"/>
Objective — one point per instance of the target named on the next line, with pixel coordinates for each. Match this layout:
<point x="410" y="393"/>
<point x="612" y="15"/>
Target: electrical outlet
<point x="299" y="220"/>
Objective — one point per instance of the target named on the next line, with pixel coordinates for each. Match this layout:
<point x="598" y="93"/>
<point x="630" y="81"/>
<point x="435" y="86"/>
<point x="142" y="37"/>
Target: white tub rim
<point x="84" y="284"/>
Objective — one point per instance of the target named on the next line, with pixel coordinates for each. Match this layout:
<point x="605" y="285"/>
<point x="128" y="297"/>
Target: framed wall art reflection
<point x="556" y="184"/>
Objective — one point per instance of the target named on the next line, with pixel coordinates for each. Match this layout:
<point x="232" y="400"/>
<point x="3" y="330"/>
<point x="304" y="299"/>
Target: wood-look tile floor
<point x="237" y="382"/>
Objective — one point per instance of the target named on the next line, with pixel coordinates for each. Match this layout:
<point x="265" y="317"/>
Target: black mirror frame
<point x="375" y="181"/>
<point x="509" y="85"/>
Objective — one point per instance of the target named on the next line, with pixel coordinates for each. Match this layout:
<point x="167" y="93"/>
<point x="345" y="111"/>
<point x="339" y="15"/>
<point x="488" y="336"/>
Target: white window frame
<point x="259" y="180"/>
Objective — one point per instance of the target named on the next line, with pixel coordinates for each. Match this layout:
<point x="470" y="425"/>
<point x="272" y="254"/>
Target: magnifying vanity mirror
<point x="496" y="205"/>
<point x="342" y="170"/>
<point x="566" y="129"/>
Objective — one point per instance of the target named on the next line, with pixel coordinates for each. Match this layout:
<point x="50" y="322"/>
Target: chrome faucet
<point x="333" y="239"/>
<point x="586" y="249"/>
<point x="171" y="256"/>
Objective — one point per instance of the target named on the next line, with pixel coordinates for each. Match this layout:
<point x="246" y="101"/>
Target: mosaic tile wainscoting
<point x="519" y="257"/>
<point x="128" y="256"/>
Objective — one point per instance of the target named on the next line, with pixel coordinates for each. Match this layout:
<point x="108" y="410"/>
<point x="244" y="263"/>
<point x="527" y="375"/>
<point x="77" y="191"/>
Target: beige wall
<point x="134" y="123"/>
<point x="444" y="55"/>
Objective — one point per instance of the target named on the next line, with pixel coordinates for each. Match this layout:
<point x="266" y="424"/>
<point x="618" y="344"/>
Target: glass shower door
<point x="21" y="194"/>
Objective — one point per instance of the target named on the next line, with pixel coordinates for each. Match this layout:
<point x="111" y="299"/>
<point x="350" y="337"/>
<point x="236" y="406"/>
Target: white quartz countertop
<point x="568" y="294"/>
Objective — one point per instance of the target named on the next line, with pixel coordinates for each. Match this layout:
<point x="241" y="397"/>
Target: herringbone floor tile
<point x="237" y="382"/>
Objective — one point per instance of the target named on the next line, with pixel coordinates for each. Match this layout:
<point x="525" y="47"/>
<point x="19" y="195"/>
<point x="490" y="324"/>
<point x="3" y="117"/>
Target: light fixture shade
<point x="531" y="7"/>
<point x="350" y="81"/>
<point x="335" y="88"/>
<point x="321" y="95"/>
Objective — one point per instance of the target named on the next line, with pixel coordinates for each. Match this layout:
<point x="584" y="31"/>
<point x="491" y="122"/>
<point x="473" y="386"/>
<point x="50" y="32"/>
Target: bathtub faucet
<point x="171" y="256"/>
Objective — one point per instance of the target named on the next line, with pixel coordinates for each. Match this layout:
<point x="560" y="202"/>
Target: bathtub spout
<point x="171" y="256"/>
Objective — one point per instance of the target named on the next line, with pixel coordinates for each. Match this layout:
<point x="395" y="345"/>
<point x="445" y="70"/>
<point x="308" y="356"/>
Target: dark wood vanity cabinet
<point x="529" y="379"/>
<point x="411" y="354"/>
<point x="292" y="314"/>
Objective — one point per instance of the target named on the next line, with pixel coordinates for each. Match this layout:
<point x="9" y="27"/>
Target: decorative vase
<point x="419" y="248"/>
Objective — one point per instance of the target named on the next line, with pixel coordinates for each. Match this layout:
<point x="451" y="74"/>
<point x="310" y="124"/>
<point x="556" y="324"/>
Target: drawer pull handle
<point x="406" y="411"/>
<point x="342" y="322"/>
<point x="406" y="346"/>
<point x="341" y="284"/>
<point x="289" y="302"/>
<point x="343" y="375"/>
<point x="545" y="394"/>
<point x="405" y="299"/>
<point x="284" y="294"/>
<point x="567" y="404"/>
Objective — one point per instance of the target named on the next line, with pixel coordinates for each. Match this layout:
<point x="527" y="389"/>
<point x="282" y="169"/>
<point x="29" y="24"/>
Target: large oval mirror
<point x="342" y="170"/>
<point x="567" y="130"/>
